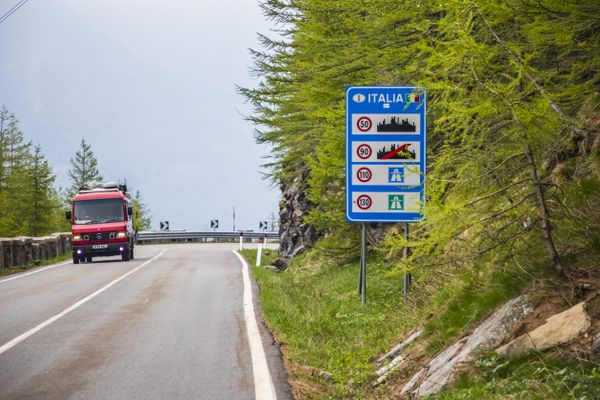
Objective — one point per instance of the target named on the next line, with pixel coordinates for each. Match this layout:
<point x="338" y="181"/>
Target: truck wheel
<point x="75" y="259"/>
<point x="88" y="259"/>
<point x="125" y="255"/>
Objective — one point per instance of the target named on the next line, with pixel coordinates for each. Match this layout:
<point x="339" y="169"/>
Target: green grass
<point x="316" y="314"/>
<point x="34" y="264"/>
<point x="268" y="256"/>
<point x="532" y="377"/>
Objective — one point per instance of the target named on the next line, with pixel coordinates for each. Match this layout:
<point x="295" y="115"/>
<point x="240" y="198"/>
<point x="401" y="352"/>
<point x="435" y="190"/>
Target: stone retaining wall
<point x="25" y="250"/>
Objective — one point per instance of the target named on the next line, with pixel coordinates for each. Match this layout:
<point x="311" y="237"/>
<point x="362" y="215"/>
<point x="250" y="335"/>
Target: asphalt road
<point x="174" y="328"/>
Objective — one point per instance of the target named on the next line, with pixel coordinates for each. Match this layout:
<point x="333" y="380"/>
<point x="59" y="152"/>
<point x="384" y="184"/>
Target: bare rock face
<point x="490" y="334"/>
<point x="558" y="329"/>
<point x="295" y="235"/>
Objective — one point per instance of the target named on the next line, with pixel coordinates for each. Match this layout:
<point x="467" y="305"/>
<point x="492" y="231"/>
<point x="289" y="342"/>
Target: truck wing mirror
<point x="68" y="215"/>
<point x="129" y="211"/>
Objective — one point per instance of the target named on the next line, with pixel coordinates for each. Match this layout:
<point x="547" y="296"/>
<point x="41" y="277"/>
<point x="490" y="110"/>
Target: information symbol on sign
<point x="396" y="175"/>
<point x="263" y="225"/>
<point x="364" y="124"/>
<point x="214" y="224"/>
<point x="364" y="151"/>
<point x="395" y="202"/>
<point x="364" y="202"/>
<point x="364" y="174"/>
<point x="164" y="225"/>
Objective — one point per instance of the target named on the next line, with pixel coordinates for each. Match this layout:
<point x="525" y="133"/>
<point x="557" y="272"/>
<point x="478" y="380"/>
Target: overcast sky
<point x="151" y="85"/>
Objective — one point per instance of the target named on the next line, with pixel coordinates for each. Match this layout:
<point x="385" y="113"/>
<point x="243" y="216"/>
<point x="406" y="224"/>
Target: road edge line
<point x="36" y="271"/>
<point x="263" y="382"/>
<point x="7" y="346"/>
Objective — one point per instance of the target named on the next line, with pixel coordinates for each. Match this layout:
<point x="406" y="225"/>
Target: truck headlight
<point x="121" y="235"/>
<point x="76" y="237"/>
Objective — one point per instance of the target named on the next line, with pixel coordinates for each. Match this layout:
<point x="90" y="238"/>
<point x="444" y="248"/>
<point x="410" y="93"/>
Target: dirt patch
<point x="301" y="379"/>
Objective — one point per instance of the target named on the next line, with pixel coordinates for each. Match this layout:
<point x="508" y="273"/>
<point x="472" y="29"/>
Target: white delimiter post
<point x="241" y="241"/>
<point x="259" y="254"/>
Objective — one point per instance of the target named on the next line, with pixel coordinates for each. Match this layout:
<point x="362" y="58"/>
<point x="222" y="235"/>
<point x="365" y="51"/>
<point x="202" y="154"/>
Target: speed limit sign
<point x="364" y="151"/>
<point x="364" y="202"/>
<point x="364" y="174"/>
<point x="364" y="124"/>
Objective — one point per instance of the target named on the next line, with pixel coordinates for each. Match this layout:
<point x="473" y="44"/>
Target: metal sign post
<point x="363" y="265"/>
<point x="407" y="276"/>
<point x="386" y="151"/>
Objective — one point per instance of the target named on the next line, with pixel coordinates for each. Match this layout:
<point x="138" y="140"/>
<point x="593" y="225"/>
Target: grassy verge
<point x="314" y="311"/>
<point x="34" y="264"/>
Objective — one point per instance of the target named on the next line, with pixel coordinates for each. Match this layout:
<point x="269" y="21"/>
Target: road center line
<point x="263" y="383"/>
<point x="44" y="324"/>
<point x="36" y="271"/>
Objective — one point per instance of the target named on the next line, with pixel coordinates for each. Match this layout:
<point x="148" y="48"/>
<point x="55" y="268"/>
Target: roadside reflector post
<point x="363" y="264"/>
<point x="241" y="241"/>
<point x="259" y="254"/>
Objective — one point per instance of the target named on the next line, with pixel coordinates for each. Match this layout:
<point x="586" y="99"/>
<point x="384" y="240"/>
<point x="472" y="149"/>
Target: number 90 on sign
<point x="364" y="151"/>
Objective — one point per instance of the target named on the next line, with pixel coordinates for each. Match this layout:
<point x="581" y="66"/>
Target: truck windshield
<point x="98" y="211"/>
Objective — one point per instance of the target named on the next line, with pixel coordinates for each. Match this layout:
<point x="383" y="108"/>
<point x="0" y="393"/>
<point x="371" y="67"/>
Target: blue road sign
<point x="386" y="154"/>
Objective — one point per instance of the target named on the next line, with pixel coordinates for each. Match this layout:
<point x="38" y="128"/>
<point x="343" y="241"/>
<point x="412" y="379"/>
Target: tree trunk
<point x="546" y="226"/>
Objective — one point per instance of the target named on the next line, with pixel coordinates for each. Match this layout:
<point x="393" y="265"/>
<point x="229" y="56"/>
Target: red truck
<point x="101" y="223"/>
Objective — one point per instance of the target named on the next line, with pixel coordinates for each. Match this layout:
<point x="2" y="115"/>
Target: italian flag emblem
<point x="413" y="98"/>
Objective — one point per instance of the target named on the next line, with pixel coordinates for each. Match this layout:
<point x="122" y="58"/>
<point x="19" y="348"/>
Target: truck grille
<point x="99" y="236"/>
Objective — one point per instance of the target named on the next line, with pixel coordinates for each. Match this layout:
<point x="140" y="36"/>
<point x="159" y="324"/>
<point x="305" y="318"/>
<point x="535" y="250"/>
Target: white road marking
<point x="44" y="324"/>
<point x="263" y="383"/>
<point x="36" y="271"/>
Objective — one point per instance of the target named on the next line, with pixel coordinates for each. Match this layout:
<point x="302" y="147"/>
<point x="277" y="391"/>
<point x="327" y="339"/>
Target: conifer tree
<point x="15" y="158"/>
<point x="43" y="204"/>
<point x="142" y="220"/>
<point x="84" y="168"/>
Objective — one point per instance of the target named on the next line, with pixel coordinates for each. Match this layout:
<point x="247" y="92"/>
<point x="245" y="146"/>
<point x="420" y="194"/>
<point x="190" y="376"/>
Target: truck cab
<point x="101" y="223"/>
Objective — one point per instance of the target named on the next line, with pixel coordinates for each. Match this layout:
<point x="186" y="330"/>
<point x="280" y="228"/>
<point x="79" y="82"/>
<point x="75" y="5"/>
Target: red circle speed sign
<point x="364" y="174"/>
<point x="364" y="124"/>
<point x="364" y="202"/>
<point x="364" y="151"/>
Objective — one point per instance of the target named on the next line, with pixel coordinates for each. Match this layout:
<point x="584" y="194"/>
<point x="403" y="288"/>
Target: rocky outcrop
<point x="295" y="235"/>
<point x="558" y="329"/>
<point x="19" y="251"/>
<point x="490" y="334"/>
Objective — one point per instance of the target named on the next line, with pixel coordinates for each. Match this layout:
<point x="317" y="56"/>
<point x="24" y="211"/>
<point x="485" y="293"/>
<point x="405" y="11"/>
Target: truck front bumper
<point x="104" y="249"/>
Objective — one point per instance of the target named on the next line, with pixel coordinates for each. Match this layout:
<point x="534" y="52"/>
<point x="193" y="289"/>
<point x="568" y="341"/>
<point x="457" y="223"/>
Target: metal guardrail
<point x="183" y="235"/>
